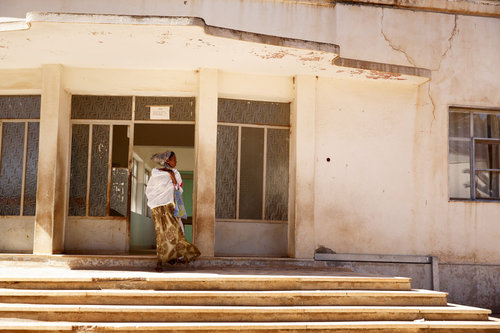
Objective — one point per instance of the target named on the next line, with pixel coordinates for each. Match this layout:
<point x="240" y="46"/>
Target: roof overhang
<point x="180" y="43"/>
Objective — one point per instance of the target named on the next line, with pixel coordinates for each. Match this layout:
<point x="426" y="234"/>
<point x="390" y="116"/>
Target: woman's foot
<point x="159" y="267"/>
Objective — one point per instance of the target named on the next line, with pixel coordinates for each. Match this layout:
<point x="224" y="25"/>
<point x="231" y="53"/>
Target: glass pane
<point x="119" y="172"/>
<point x="459" y="125"/>
<point x="225" y="187"/>
<point x="487" y="125"/>
<point x="459" y="169"/>
<point x="20" y="107"/>
<point x="487" y="185"/>
<point x="31" y="169"/>
<point x="79" y="166"/>
<point x="11" y="172"/>
<point x="119" y="189"/>
<point x="277" y="175"/>
<point x="99" y="171"/>
<point x="253" y="112"/>
<point x="487" y="156"/>
<point x="251" y="173"/>
<point x="101" y="107"/>
<point x="183" y="108"/>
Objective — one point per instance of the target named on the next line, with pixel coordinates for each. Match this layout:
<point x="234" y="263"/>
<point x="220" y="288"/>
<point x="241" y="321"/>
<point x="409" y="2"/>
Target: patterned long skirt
<point x="170" y="241"/>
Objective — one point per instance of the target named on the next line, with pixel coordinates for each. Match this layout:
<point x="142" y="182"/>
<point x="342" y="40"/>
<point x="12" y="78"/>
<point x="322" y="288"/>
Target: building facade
<point x="363" y="127"/>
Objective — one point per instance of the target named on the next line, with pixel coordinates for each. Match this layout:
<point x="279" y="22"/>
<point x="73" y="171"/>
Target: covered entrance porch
<point x="272" y="201"/>
<point x="90" y="111"/>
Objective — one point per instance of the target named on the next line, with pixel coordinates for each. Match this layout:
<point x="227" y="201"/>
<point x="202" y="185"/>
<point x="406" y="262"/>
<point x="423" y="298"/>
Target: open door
<point x="148" y="140"/>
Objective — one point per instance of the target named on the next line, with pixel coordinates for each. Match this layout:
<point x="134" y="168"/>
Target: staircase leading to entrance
<point x="230" y="300"/>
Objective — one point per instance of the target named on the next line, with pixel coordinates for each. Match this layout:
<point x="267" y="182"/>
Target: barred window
<point x="252" y="160"/>
<point x="19" y="136"/>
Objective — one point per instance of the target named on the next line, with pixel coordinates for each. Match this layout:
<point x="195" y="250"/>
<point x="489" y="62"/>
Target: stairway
<point x="228" y="301"/>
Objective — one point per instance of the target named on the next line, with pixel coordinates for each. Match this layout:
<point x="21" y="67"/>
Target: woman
<point x="163" y="186"/>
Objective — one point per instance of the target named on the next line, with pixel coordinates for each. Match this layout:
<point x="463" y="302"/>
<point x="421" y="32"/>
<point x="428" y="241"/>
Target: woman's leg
<point x="170" y="242"/>
<point x="162" y="226"/>
<point x="159" y="267"/>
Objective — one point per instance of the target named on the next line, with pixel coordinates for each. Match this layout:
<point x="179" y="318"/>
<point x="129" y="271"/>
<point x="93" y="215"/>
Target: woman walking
<point x="164" y="193"/>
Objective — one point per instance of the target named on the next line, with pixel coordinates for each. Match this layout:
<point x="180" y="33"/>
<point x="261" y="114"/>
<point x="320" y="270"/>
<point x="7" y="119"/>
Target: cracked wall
<point x="461" y="52"/>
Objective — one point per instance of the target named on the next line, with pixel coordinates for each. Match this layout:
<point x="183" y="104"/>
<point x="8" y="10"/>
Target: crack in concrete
<point x="453" y="33"/>
<point x="394" y="47"/>
<point x="450" y="42"/>
<point x="433" y="106"/>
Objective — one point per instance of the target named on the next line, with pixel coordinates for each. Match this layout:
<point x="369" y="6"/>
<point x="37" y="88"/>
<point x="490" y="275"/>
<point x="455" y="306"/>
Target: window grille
<point x="252" y="160"/>
<point x="19" y="140"/>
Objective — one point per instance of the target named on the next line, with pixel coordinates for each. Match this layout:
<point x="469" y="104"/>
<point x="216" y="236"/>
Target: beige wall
<point x="96" y="235"/>
<point x="17" y="234"/>
<point x="365" y="193"/>
<point x="251" y="239"/>
<point x="413" y="215"/>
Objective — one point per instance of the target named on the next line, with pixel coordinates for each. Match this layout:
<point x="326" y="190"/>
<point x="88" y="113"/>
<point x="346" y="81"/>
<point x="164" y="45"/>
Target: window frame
<point x="240" y="126"/>
<point x="472" y="140"/>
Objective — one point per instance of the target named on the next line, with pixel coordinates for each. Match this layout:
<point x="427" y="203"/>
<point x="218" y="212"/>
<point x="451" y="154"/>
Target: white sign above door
<point x="159" y="112"/>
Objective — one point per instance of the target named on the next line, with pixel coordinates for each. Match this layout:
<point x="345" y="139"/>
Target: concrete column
<point x="302" y="155"/>
<point x="205" y="162"/>
<point x="53" y="163"/>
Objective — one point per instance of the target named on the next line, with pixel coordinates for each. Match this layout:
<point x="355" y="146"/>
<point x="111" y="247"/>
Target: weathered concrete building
<point x="371" y="128"/>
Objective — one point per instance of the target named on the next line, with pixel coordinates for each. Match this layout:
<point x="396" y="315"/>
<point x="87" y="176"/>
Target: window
<point x="99" y="156"/>
<point x="252" y="160"/>
<point x="474" y="154"/>
<point x="99" y="172"/>
<point x="19" y="135"/>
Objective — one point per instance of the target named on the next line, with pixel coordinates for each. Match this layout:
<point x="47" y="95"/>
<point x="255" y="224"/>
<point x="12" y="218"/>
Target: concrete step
<point x="210" y="298"/>
<point x="241" y="299"/>
<point x="162" y="313"/>
<point x="208" y="281"/>
<point x="148" y="262"/>
<point x="245" y="327"/>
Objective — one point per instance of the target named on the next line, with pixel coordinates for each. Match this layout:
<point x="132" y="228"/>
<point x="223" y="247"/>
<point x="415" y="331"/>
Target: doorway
<point x="148" y="140"/>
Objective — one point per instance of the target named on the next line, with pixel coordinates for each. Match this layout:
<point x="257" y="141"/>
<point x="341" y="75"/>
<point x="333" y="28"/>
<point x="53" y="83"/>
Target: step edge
<point x="26" y="307"/>
<point x="213" y="325"/>
<point x="248" y="293"/>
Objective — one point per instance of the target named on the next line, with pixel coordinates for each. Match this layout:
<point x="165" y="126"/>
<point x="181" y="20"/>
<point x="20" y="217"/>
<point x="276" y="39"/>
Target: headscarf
<point x="161" y="158"/>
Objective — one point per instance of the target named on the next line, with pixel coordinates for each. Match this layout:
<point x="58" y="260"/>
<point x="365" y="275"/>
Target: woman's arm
<point x="179" y="179"/>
